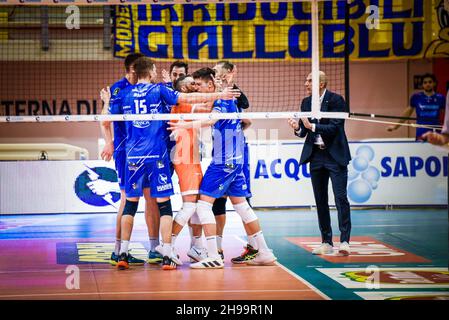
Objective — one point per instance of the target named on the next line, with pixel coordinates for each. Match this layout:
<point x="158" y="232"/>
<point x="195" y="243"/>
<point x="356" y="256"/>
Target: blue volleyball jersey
<point x="170" y="143"/>
<point x="147" y="140"/>
<point x="228" y="137"/>
<point x="118" y="91"/>
<point x="427" y="109"/>
<point x="169" y="85"/>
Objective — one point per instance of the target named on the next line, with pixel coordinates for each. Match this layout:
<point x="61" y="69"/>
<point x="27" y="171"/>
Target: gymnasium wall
<point x="375" y="87"/>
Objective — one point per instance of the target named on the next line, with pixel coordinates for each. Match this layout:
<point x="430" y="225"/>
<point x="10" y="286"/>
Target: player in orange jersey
<point x="186" y="159"/>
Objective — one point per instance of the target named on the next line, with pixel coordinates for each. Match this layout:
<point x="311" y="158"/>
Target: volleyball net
<point x="56" y="58"/>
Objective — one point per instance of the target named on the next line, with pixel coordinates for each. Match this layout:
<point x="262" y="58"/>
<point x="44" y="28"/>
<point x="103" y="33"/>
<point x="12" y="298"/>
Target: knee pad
<point x="165" y="208"/>
<point x="130" y="208"/>
<point x="204" y="212"/>
<point x="245" y="212"/>
<point x="186" y="212"/>
<point x="195" y="219"/>
<point x="219" y="206"/>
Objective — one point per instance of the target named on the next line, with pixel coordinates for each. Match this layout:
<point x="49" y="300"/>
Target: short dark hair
<point x="178" y="83"/>
<point x="205" y="74"/>
<point x="143" y="66"/>
<point x="431" y="76"/>
<point x="130" y="59"/>
<point x="179" y="64"/>
<point x="226" y="65"/>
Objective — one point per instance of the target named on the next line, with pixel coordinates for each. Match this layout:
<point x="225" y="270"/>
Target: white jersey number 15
<point x="140" y="106"/>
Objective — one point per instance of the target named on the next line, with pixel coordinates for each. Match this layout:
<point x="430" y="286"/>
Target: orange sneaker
<point x="168" y="264"/>
<point x="122" y="263"/>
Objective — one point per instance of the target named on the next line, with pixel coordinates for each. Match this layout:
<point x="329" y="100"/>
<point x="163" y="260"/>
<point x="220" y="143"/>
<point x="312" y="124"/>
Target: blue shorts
<point x="246" y="168"/>
<point x="220" y="180"/>
<point x="155" y="175"/>
<point x="120" y="167"/>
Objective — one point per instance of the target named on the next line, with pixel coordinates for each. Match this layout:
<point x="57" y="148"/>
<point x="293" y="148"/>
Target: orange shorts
<point x="190" y="176"/>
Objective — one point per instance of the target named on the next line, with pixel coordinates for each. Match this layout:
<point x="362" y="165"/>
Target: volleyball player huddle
<point x="150" y="158"/>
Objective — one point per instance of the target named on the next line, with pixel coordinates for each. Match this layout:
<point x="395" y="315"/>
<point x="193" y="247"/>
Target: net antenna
<point x="316" y="107"/>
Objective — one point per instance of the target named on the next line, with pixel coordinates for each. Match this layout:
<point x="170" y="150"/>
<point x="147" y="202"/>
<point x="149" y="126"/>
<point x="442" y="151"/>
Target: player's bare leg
<point x="196" y="232"/>
<point x="178" y="225"/>
<point x="264" y="256"/>
<point x="152" y="220"/>
<point x="206" y="216"/>
<point x="186" y="214"/>
<point x="127" y="223"/>
<point x="118" y="229"/>
<point x="219" y="210"/>
<point x="221" y="222"/>
<point x="197" y="252"/>
<point x="250" y="251"/>
<point x="166" y="225"/>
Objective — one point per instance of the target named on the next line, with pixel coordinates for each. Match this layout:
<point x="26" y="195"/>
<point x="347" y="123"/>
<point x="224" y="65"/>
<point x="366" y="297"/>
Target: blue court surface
<point x="396" y="254"/>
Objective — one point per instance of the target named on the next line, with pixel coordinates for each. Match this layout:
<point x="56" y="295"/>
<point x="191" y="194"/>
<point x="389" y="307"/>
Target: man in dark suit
<point x="326" y="148"/>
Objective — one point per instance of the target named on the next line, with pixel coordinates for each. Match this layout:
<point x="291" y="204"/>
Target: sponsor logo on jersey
<point x="141" y="124"/>
<point x="162" y="179"/>
<point x="163" y="183"/>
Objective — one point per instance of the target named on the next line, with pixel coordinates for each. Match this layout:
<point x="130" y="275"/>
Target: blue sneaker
<point x="123" y="261"/>
<point x="126" y="259"/>
<point x="114" y="259"/>
<point x="135" y="261"/>
<point x="154" y="257"/>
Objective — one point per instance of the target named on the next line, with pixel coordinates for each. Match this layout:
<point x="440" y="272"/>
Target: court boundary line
<point x="296" y="276"/>
<point x="114" y="269"/>
<point x="148" y="292"/>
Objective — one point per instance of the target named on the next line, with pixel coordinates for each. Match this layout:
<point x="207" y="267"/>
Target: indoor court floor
<point x="396" y="254"/>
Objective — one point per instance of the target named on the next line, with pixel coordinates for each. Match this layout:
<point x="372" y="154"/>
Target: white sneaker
<point x="344" y="249"/>
<point x="197" y="254"/>
<point x="324" y="248"/>
<point x="174" y="255"/>
<point x="158" y="249"/>
<point x="209" y="263"/>
<point x="263" y="257"/>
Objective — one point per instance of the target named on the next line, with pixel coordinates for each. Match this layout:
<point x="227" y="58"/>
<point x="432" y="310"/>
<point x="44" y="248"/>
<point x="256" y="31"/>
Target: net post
<point x="315" y="60"/>
<point x="347" y="54"/>
<point x="45" y="43"/>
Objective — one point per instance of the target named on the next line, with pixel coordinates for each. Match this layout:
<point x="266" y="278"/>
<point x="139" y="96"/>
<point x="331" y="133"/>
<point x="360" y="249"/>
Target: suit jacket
<point x="332" y="131"/>
<point x="242" y="100"/>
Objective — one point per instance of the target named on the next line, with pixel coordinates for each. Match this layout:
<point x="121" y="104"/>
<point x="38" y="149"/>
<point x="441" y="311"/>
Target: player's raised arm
<point x="165" y="76"/>
<point x="196" y="97"/>
<point x="201" y="108"/>
<point x="105" y="95"/>
<point x="172" y="126"/>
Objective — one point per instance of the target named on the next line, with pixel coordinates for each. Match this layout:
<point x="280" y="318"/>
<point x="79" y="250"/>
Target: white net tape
<point x="203" y="116"/>
<point x="169" y="116"/>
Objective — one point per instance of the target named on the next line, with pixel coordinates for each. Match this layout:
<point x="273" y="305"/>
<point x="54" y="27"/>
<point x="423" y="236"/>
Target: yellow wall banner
<point x="378" y="29"/>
